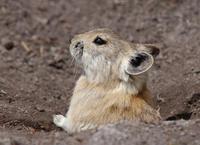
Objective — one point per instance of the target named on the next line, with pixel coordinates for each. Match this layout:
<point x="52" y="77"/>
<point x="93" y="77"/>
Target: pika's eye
<point x="99" y="41"/>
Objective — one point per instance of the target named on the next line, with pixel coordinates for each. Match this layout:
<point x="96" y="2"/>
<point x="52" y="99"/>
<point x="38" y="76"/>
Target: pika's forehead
<point x="105" y="33"/>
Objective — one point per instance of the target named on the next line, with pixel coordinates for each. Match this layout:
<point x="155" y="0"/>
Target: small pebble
<point x="8" y="45"/>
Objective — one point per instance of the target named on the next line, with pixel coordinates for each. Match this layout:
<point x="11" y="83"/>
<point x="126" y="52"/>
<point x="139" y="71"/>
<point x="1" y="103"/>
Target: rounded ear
<point x="139" y="63"/>
<point x="153" y="49"/>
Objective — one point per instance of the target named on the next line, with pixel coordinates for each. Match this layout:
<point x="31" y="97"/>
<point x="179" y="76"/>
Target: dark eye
<point x="99" y="41"/>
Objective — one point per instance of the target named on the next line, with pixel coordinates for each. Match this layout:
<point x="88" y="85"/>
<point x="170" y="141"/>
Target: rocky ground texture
<point x="37" y="74"/>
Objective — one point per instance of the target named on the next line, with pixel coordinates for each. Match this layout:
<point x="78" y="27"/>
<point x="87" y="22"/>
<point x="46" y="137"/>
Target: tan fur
<point x="106" y="93"/>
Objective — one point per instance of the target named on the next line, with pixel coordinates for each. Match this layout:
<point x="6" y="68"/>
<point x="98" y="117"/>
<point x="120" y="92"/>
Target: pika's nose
<point x="79" y="45"/>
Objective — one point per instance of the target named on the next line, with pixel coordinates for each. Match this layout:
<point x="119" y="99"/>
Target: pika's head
<point x="105" y="56"/>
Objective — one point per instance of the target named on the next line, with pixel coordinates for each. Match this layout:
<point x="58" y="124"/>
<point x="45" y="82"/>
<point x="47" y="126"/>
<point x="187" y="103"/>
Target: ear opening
<point x="139" y="63"/>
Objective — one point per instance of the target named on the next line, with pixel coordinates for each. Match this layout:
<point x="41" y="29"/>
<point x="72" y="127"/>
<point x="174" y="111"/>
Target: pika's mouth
<point x="76" y="50"/>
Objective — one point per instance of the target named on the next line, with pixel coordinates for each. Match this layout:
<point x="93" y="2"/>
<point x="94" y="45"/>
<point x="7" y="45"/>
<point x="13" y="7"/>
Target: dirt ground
<point x="37" y="74"/>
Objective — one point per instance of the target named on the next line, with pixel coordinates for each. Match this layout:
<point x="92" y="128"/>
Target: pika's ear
<point x="139" y="63"/>
<point x="152" y="49"/>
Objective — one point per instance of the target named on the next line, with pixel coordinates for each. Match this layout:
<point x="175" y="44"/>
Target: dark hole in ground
<point x="192" y="105"/>
<point x="195" y="98"/>
<point x="184" y="115"/>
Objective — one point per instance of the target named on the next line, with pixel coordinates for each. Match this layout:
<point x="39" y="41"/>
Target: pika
<point x="113" y="86"/>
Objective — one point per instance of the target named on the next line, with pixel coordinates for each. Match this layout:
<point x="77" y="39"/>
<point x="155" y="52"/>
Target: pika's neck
<point x="131" y="87"/>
